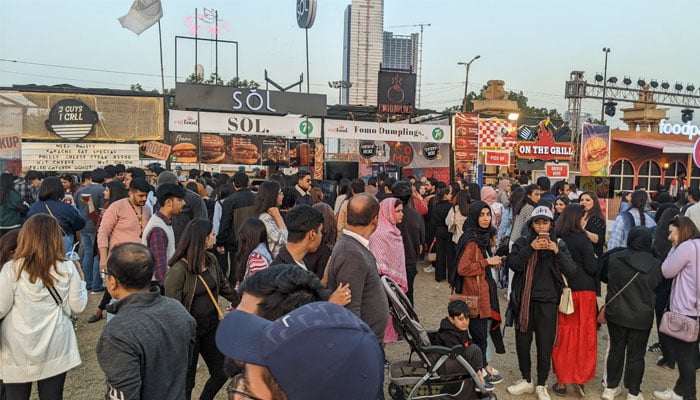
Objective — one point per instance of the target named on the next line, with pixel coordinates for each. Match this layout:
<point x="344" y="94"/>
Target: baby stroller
<point x="437" y="373"/>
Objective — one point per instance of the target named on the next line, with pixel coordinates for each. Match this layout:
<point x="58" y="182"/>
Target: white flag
<point x="143" y="14"/>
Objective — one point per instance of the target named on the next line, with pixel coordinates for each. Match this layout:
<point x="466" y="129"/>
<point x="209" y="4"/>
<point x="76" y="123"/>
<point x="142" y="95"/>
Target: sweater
<point x="11" y="211"/>
<point x="38" y="339"/>
<point x="353" y="263"/>
<point x="120" y="224"/>
<point x="145" y="349"/>
<point x="682" y="264"/>
<point x="581" y="250"/>
<point x="413" y="234"/>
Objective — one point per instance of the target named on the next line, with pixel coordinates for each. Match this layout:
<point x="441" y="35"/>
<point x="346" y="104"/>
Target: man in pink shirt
<point x="124" y="220"/>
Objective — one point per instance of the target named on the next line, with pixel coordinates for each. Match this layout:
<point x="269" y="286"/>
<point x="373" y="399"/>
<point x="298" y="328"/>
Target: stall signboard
<point x="431" y="151"/>
<point x="495" y="157"/>
<point x="396" y="92"/>
<point x="244" y="124"/>
<point x="595" y="150"/>
<point x="401" y="154"/>
<point x="67" y="157"/>
<point x="368" y="149"/>
<point x="696" y="154"/>
<point x="466" y="142"/>
<point x="358" y="130"/>
<point x="496" y="134"/>
<point x="157" y="150"/>
<point x="254" y="101"/>
<point x="557" y="170"/>
<point x="11" y="153"/>
<point x="63" y="116"/>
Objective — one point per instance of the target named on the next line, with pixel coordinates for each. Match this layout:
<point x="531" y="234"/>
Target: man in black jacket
<point x="412" y="232"/>
<point x="234" y="210"/>
<point x="304" y="227"/>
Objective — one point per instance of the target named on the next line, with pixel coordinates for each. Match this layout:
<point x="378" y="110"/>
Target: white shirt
<point x="357" y="237"/>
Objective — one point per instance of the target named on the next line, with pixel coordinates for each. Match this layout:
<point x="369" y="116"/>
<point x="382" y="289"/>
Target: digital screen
<point x="603" y="186"/>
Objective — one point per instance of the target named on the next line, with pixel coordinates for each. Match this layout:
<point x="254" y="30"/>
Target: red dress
<point x="576" y="349"/>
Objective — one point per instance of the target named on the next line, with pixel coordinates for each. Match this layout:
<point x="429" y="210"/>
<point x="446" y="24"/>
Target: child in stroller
<point x="454" y="331"/>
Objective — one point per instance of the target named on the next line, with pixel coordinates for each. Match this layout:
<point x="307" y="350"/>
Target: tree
<point x="595" y="121"/>
<point x="470" y="106"/>
<point x="215" y="79"/>
<point x="525" y="110"/>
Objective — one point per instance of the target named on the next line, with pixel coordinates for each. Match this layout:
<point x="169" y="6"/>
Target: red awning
<point x="666" y="146"/>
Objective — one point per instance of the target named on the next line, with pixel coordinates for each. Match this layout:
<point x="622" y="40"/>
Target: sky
<point x="532" y="45"/>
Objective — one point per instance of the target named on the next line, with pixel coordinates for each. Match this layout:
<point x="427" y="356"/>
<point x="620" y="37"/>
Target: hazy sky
<point x="532" y="45"/>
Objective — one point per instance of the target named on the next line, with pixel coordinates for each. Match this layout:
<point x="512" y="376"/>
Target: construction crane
<point x="420" y="56"/>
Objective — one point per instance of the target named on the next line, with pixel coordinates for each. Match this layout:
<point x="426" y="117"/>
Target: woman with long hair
<point x="316" y="262"/>
<point x="70" y="186"/>
<point x="522" y="211"/>
<point x="458" y="214"/>
<point x="634" y="216"/>
<point x="39" y="290"/>
<point x="386" y="245"/>
<point x="253" y="255"/>
<point x="343" y="193"/>
<point x="51" y="195"/>
<point x="440" y="206"/>
<point x="114" y="190"/>
<point x="196" y="280"/>
<point x="595" y="225"/>
<point x="268" y="200"/>
<point x="682" y="265"/>
<point x="559" y="204"/>
<point x="539" y="261"/>
<point x="12" y="207"/>
<point x="222" y="192"/>
<point x="574" y="355"/>
<point x="475" y="260"/>
<point x="625" y="201"/>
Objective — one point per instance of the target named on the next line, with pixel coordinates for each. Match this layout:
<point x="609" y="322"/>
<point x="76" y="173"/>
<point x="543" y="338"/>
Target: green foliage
<point x="520" y="98"/>
<point x="597" y="121"/>
<point x="458" y="108"/>
<point x="214" y="79"/>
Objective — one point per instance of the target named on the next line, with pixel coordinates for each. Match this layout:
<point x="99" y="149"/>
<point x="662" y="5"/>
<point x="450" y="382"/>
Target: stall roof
<point x="666" y="146"/>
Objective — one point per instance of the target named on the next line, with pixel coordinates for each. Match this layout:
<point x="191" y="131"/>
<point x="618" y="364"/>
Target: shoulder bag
<point x="680" y="326"/>
<point x="432" y="255"/>
<point x="471" y="300"/>
<point x="211" y="296"/>
<point x="453" y="225"/>
<point x="601" y="313"/>
<point x="566" y="303"/>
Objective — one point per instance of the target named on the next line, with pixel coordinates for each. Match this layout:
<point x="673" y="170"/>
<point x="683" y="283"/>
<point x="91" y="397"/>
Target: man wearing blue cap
<point x="318" y="351"/>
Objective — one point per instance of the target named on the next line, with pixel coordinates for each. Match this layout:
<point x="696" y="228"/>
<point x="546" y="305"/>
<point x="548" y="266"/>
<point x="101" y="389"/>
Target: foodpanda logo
<point x="678" y="129"/>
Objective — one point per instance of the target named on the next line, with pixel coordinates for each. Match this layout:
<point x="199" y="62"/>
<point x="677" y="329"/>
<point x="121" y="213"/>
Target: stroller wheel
<point x="395" y="392"/>
<point x="488" y="396"/>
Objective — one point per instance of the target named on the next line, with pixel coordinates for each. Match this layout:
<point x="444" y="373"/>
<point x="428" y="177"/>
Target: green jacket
<point x="11" y="211"/>
<point x="180" y="284"/>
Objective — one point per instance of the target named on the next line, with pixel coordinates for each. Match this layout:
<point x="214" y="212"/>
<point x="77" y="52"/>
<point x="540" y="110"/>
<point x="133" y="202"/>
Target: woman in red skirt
<point x="575" y="351"/>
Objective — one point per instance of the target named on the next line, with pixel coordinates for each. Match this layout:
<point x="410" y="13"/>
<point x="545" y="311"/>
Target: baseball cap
<point x="541" y="212"/>
<point x="178" y="168"/>
<point x="318" y="351"/>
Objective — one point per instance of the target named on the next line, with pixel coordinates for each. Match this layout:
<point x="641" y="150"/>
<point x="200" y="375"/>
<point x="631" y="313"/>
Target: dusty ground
<point x="87" y="381"/>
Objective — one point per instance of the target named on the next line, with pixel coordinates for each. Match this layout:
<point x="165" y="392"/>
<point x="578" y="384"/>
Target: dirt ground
<point x="86" y="382"/>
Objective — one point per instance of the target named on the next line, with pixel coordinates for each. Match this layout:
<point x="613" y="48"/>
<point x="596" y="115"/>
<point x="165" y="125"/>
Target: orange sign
<point x="501" y="158"/>
<point x="553" y="170"/>
<point x="155" y="149"/>
<point x="545" y="148"/>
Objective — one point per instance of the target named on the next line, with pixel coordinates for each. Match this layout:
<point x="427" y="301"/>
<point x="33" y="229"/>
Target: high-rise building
<point x="400" y="51"/>
<point x="363" y="50"/>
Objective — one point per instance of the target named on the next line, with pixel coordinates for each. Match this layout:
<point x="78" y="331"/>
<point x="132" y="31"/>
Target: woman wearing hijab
<point x="386" y="245"/>
<point x="474" y="259"/>
<point x="489" y="196"/>
<point x="538" y="261"/>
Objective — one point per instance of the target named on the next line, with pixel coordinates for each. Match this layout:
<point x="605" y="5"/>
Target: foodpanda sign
<point x="677" y="129"/>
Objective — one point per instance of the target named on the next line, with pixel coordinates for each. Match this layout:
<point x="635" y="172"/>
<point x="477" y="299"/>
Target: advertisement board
<point x="396" y="92"/>
<point x="377" y="131"/>
<point x="67" y="157"/>
<point x="244" y="124"/>
<point x="595" y="150"/>
<point x="495" y="157"/>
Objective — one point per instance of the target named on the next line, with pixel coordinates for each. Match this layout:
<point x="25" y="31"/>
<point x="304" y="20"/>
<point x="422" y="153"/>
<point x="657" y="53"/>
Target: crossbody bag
<point x="601" y="319"/>
<point x="679" y="326"/>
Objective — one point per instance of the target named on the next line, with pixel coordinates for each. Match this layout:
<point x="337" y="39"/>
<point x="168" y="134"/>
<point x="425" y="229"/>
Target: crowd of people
<point x="300" y="269"/>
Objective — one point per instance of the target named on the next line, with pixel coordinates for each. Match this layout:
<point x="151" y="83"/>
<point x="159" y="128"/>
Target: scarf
<point x="387" y="246"/>
<point x="472" y="231"/>
<point x="524" y="317"/>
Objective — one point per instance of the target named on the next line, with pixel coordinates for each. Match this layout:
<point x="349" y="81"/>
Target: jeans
<point x="68" y="242"/>
<point x="96" y="275"/>
<point x="88" y="258"/>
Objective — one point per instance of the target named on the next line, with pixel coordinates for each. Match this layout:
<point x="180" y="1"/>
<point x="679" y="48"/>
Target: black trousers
<point x="628" y="345"/>
<point x="205" y="345"/>
<point x="663" y="293"/>
<point x="411" y="271"/>
<point x="49" y="389"/>
<point x="685" y="355"/>
<point x="543" y="323"/>
<point x="479" y="331"/>
<point x="445" y="254"/>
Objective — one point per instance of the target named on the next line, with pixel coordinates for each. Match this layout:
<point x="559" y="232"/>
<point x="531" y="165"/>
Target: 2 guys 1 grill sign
<point x="71" y="119"/>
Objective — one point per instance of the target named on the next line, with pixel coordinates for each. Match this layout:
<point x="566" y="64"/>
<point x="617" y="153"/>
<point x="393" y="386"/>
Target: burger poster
<point x="595" y="150"/>
<point x="185" y="148"/>
<point x="245" y="150"/>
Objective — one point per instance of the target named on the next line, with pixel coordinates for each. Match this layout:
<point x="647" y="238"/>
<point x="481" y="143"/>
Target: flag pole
<point x="162" y="76"/>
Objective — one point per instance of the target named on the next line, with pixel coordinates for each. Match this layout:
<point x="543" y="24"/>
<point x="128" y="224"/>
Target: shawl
<point x="386" y="244"/>
<point x="472" y="231"/>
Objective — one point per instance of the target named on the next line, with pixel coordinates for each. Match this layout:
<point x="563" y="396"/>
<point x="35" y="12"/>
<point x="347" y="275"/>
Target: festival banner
<point x="595" y="150"/>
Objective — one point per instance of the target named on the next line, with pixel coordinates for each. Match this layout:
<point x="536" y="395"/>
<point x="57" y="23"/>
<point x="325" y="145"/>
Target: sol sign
<point x="553" y="170"/>
<point x="678" y="129"/>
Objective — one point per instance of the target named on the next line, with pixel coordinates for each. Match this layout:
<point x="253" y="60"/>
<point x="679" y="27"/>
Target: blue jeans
<point x="96" y="276"/>
<point x="68" y="242"/>
<point x="87" y="261"/>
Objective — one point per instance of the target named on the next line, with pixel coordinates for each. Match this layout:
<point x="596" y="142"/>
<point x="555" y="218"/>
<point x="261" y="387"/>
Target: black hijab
<point x="472" y="231"/>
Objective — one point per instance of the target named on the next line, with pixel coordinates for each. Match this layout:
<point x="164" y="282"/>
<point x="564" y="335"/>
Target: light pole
<point x="466" y="80"/>
<point x="606" y="50"/>
<point x="340" y="85"/>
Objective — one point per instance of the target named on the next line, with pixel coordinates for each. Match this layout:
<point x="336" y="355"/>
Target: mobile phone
<point x="544" y="235"/>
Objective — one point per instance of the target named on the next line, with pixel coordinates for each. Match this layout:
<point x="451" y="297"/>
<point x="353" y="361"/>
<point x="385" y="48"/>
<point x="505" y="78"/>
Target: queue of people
<point x="162" y="257"/>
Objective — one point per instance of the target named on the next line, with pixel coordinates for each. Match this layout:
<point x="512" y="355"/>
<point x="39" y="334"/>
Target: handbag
<point x="211" y="296"/>
<point x="600" y="318"/>
<point x="432" y="256"/>
<point x="680" y="326"/>
<point x="566" y="303"/>
<point x="471" y="300"/>
<point x="453" y="225"/>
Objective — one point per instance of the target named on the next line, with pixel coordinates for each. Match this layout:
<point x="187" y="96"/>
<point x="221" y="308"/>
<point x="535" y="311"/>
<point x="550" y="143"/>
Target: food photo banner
<point x="595" y="150"/>
<point x="245" y="124"/>
<point x="357" y="130"/>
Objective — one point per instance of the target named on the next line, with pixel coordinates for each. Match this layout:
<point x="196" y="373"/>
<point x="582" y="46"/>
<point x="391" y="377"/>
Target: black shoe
<point x="94" y="318"/>
<point x="654" y="348"/>
<point x="559" y="391"/>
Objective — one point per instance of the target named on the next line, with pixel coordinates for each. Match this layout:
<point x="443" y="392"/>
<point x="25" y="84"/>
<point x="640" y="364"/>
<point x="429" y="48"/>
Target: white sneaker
<point x="429" y="269"/>
<point x="521" y="387"/>
<point x="667" y="394"/>
<point x="610" y="394"/>
<point x="633" y="397"/>
<point x="542" y="393"/>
